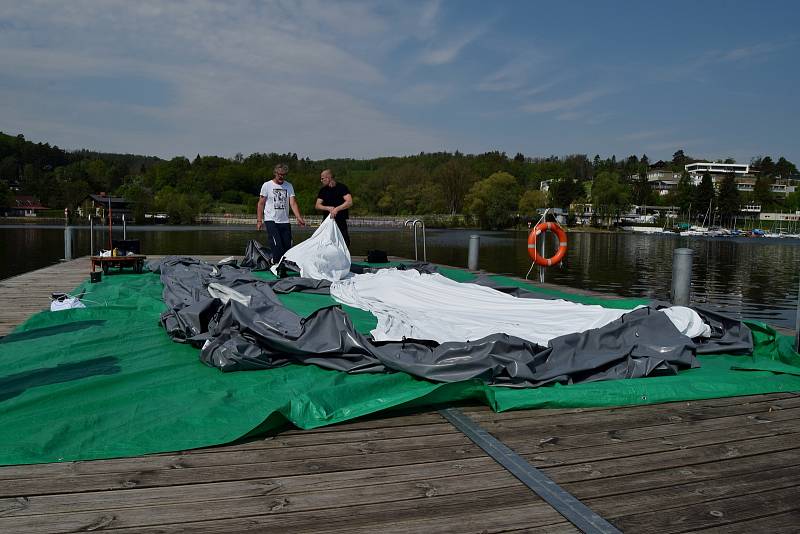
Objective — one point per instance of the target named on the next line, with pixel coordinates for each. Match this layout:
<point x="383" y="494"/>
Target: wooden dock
<point x="723" y="465"/>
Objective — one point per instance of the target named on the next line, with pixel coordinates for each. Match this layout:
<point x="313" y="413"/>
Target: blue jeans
<point x="279" y="236"/>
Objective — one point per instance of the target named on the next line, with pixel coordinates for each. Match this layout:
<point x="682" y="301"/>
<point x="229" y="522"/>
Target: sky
<point x="362" y="79"/>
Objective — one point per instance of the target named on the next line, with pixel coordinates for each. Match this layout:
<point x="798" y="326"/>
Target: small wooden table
<point x="106" y="262"/>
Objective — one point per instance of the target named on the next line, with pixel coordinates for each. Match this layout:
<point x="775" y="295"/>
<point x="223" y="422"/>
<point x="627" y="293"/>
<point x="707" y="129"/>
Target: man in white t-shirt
<point x="273" y="211"/>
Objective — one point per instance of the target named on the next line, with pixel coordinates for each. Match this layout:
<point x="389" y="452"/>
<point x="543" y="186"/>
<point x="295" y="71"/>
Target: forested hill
<point x="420" y="184"/>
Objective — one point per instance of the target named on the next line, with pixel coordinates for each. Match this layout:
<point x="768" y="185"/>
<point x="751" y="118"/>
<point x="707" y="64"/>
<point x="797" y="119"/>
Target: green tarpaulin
<point x="106" y="381"/>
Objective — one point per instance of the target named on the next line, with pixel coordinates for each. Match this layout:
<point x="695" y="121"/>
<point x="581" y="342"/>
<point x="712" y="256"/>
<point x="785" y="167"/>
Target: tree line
<point x="493" y="187"/>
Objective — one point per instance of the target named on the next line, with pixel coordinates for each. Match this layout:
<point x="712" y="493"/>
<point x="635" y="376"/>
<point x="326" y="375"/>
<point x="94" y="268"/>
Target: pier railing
<point x="389" y="221"/>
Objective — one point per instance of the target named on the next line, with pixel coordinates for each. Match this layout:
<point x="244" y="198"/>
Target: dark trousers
<point x="342" y="224"/>
<point x="279" y="236"/>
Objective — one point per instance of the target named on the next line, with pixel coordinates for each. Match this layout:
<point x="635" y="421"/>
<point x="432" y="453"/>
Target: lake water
<point x="751" y="278"/>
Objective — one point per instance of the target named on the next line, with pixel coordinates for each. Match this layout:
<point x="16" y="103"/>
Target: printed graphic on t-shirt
<point x="279" y="197"/>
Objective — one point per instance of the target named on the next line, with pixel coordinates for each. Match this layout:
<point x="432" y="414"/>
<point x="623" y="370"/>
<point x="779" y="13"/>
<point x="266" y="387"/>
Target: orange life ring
<point x="562" y="244"/>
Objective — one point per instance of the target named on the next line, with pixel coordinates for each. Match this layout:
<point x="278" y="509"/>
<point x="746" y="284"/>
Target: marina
<point x="726" y="464"/>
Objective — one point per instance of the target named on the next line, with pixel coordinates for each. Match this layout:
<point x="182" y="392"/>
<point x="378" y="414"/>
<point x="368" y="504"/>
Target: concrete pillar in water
<point x="681" y="276"/>
<point x="472" y="257"/>
<point x="68" y="238"/>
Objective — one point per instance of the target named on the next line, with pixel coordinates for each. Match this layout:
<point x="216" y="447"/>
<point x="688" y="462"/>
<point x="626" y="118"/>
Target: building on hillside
<point x="791" y="217"/>
<point x="544" y="185"/>
<point x="779" y="187"/>
<point x="22" y="206"/>
<point x="662" y="181"/>
<point x="720" y="170"/>
<point x="100" y="204"/>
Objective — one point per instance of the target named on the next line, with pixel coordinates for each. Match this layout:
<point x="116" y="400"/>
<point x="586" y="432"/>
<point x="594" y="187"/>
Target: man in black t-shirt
<point x="335" y="198"/>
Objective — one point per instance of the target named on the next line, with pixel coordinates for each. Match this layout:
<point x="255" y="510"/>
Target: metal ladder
<point x="415" y="223"/>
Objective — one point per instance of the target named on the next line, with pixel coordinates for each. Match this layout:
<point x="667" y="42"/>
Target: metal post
<point x="124" y="228"/>
<point x="91" y="236"/>
<point x="68" y="231"/>
<point x="681" y="276"/>
<point x="472" y="257"/>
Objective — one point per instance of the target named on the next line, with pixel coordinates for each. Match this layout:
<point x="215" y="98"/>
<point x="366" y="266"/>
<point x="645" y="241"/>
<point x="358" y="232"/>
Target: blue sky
<point x="362" y="79"/>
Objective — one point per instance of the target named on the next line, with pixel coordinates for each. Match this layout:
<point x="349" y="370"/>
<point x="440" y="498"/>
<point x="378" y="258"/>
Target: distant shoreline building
<point x="23" y="206"/>
<point x="744" y="176"/>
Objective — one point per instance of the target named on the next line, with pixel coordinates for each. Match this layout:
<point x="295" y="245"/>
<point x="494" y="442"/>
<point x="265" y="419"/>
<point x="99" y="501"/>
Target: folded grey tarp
<point x="241" y="325"/>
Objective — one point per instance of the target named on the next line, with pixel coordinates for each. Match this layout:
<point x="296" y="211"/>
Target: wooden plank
<point x="680" y="457"/>
<point x="555" y="441"/>
<point x="271" y="501"/>
<point x="784" y="523"/>
<point x="654" y="445"/>
<point x="631" y="417"/>
<point x="177" y="475"/>
<point x="664" y="499"/>
<point x="713" y="513"/>
<point x="374" y="516"/>
<point x="223" y="456"/>
<point x="287" y="485"/>
<point x="682" y="475"/>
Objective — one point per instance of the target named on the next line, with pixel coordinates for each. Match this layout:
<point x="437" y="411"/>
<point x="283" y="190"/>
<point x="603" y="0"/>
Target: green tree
<point x="793" y="201"/>
<point x="140" y="195"/>
<point x="785" y="168"/>
<point x="729" y="200"/>
<point x="563" y="192"/>
<point x="705" y="193"/>
<point x="610" y="197"/>
<point x="6" y="196"/>
<point x="762" y="191"/>
<point x="493" y="201"/>
<point x="642" y="191"/>
<point x="455" y="178"/>
<point x="765" y="166"/>
<point x="531" y="200"/>
<point x="685" y="192"/>
<point x="679" y="159"/>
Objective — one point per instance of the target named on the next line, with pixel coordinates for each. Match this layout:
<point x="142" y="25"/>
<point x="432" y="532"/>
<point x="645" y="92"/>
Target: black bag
<point x="377" y="256"/>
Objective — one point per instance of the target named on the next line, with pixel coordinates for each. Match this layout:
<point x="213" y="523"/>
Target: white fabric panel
<point x="430" y="306"/>
<point x="687" y="321"/>
<point x="324" y="255"/>
<point x="66" y="304"/>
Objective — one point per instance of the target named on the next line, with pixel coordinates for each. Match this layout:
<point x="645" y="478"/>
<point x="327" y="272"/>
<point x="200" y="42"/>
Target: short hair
<point x="329" y="172"/>
<point x="280" y="167"/>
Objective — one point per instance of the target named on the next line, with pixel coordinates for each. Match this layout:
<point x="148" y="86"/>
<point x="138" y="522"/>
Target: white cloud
<point x="565" y="104"/>
<point x="448" y="51"/>
<point x="645" y="134"/>
<point x="274" y="78"/>
<point x="512" y="77"/>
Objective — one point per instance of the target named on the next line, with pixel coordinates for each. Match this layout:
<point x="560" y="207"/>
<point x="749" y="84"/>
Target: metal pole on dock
<point x="124" y="228"/>
<point x="68" y="232"/>
<point x="474" y="247"/>
<point x="91" y="236"/>
<point x="681" y="276"/>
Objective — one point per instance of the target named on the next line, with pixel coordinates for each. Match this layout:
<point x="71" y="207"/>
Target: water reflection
<point x="754" y="278"/>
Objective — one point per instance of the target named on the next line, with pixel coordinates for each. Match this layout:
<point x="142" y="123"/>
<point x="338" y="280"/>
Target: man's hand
<point x="301" y="221"/>
<point x="259" y="225"/>
<point x="334" y="212"/>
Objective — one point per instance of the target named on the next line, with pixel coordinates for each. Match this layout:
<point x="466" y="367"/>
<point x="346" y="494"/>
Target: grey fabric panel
<point x="326" y="338"/>
<point x="256" y="256"/>
<point x="296" y="283"/>
<point x="266" y="334"/>
<point x="728" y="335"/>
